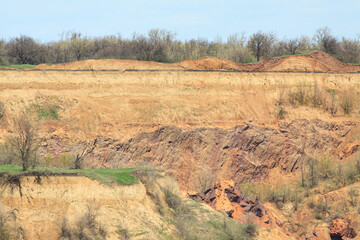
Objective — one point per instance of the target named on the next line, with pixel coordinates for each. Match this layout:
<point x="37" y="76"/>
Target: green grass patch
<point x="47" y="111"/>
<point x="11" y="169"/>
<point x="19" y="66"/>
<point x="121" y="176"/>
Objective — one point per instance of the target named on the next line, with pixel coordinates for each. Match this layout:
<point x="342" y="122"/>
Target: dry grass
<point x="122" y="104"/>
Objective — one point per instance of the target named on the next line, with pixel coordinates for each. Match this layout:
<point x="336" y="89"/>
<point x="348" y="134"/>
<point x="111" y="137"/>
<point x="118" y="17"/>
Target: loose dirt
<point x="314" y="62"/>
<point x="110" y="64"/>
<point x="209" y="63"/>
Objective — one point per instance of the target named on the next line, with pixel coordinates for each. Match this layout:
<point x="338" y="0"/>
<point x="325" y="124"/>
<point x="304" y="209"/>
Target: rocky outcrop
<point x="341" y="229"/>
<point x="246" y="152"/>
<point x="227" y="197"/>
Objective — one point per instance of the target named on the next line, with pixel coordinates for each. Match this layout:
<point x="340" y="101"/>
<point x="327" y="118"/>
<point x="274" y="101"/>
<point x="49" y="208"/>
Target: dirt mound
<point x="209" y="63"/>
<point x="110" y="64"/>
<point x="314" y="62"/>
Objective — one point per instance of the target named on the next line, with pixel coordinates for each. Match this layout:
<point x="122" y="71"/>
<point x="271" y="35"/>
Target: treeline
<point x="162" y="46"/>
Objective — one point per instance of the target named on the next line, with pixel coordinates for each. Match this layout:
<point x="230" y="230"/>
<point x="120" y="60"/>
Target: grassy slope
<point x="121" y="175"/>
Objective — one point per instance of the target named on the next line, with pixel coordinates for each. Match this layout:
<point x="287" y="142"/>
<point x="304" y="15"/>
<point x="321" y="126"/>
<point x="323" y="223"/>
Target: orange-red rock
<point x="340" y="229"/>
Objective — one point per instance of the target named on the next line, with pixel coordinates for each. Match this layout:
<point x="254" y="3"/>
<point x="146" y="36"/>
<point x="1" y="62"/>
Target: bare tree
<point x="292" y="45"/>
<point x="142" y="48"/>
<point x="79" y="158"/>
<point x="235" y="49"/>
<point x="326" y="42"/>
<point x="24" y="141"/>
<point x="278" y="49"/>
<point x="160" y="45"/>
<point x="24" y="49"/>
<point x="79" y="45"/>
<point x="260" y="44"/>
<point x="160" y="40"/>
<point x="88" y="147"/>
<point x="349" y="51"/>
<point x="2" y="53"/>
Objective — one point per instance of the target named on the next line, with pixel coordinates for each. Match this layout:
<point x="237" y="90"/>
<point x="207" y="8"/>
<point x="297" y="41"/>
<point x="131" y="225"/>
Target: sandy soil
<point x="43" y="207"/>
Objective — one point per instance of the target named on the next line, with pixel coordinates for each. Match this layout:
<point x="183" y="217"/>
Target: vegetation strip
<point x="122" y="176"/>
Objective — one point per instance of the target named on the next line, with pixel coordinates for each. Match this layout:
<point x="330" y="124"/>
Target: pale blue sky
<point x="46" y="20"/>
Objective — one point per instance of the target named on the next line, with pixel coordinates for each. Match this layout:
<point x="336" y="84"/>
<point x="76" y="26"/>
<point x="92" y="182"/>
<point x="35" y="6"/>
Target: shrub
<point x="317" y="96"/>
<point x="80" y="230"/>
<point x="47" y="161"/>
<point x="302" y="92"/>
<point x="333" y="106"/>
<point x="122" y="232"/>
<point x="353" y="196"/>
<point x="65" y="229"/>
<point x="301" y="95"/>
<point x="173" y="200"/>
<point x="90" y="216"/>
<point x="102" y="230"/>
<point x="66" y="160"/>
<point x="204" y="180"/>
<point x="232" y="230"/>
<point x="292" y="98"/>
<point x="279" y="102"/>
<point x="321" y="206"/>
<point x="86" y="227"/>
<point x="5" y="229"/>
<point x="312" y="172"/>
<point x="281" y="113"/>
<point x="326" y="167"/>
<point x="347" y="103"/>
<point x="311" y="204"/>
<point x="8" y="226"/>
<point x="6" y="154"/>
<point x="250" y="230"/>
<point x="2" y="109"/>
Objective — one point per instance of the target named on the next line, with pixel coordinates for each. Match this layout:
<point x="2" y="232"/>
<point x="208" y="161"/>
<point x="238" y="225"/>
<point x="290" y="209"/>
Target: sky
<point x="45" y="21"/>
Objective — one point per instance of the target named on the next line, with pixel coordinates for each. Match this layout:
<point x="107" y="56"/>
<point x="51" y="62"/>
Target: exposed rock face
<point x="246" y="152"/>
<point x="341" y="229"/>
<point x="226" y="197"/>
